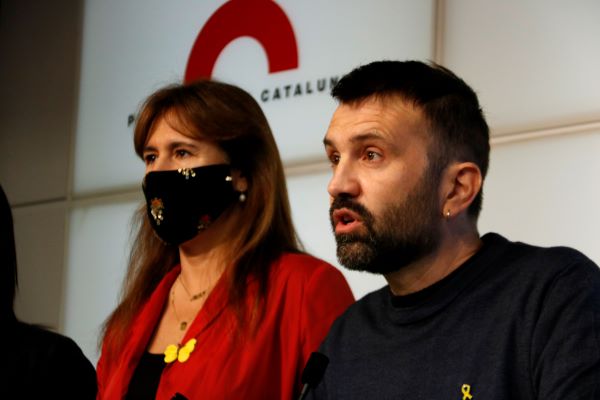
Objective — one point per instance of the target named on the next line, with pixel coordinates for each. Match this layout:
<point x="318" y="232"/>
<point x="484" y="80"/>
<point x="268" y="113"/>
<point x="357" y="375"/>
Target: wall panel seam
<point x="309" y="166"/>
<point x="438" y="30"/>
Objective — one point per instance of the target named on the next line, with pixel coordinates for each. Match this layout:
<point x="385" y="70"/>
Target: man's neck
<point x="452" y="252"/>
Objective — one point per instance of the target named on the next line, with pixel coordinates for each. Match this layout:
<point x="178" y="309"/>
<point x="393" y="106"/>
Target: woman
<point x="219" y="303"/>
<point x="39" y="364"/>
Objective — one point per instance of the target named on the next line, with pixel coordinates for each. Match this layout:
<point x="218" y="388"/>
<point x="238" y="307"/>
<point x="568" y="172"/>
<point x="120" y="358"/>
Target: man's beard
<point x="404" y="233"/>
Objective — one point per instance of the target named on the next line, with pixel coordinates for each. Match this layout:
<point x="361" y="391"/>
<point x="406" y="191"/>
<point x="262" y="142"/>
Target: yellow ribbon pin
<point x="466" y="391"/>
<point x="182" y="354"/>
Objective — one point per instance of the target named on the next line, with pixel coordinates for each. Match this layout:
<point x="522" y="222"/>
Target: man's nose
<point x="344" y="181"/>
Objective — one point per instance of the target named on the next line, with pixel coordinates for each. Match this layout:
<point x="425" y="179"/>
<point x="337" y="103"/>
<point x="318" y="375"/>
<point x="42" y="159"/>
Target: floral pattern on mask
<point x="156" y="209"/>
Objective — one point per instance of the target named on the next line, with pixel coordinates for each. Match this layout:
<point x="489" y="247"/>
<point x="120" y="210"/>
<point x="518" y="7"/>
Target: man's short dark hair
<point x="450" y="107"/>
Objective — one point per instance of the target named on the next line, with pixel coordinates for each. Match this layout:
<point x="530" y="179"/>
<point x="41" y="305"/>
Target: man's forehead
<point x="375" y="113"/>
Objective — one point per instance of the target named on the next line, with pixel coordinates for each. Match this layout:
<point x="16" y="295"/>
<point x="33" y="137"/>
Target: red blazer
<point x="304" y="296"/>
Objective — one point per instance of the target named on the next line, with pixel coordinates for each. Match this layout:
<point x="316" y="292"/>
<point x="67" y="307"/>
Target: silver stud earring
<point x="242" y="197"/>
<point x="447" y="214"/>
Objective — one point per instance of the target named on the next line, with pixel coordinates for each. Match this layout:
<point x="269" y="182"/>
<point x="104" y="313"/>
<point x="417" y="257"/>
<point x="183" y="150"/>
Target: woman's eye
<point x="182" y="153"/>
<point x="149" y="158"/>
<point x="335" y="159"/>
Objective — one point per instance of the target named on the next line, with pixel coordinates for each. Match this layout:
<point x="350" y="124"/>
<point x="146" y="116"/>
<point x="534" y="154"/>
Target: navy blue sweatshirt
<point x="513" y="322"/>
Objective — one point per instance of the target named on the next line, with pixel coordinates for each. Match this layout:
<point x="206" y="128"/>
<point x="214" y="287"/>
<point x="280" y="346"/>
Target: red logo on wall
<point x="262" y="20"/>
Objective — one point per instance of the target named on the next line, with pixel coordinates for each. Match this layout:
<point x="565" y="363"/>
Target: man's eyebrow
<point x="358" y="138"/>
<point x="366" y="136"/>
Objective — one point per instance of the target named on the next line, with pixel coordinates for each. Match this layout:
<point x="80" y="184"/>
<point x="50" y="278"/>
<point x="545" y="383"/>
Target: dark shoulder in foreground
<point x="45" y="364"/>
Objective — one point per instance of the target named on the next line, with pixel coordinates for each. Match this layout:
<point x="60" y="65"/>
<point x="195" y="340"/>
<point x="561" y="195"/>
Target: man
<point x="464" y="316"/>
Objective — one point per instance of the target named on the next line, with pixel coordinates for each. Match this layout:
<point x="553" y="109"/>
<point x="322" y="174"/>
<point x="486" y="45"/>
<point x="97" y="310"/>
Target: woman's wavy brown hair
<point x="230" y="117"/>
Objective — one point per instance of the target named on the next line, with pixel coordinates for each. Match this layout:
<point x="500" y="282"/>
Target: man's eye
<point x="373" y="155"/>
<point x="335" y="159"/>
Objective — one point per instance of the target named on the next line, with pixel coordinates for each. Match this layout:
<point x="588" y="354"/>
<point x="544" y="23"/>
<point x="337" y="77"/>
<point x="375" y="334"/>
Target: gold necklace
<point x="192" y="297"/>
<point x="182" y="324"/>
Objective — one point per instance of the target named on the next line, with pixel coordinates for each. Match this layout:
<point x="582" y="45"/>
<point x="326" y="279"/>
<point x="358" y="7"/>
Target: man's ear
<point x="460" y="183"/>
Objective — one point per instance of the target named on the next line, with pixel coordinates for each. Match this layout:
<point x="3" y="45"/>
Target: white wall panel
<point x="534" y="63"/>
<point x="38" y="63"/>
<point x="39" y="240"/>
<point x="546" y="192"/>
<point x="99" y="243"/>
<point x="130" y="48"/>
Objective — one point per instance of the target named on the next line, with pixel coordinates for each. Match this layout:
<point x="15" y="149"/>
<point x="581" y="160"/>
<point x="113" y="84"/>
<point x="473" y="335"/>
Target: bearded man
<point x="463" y="316"/>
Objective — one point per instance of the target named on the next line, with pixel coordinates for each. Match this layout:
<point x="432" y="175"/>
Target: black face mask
<point x="181" y="203"/>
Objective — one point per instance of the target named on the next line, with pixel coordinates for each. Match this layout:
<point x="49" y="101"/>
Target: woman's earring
<point x="242" y="197"/>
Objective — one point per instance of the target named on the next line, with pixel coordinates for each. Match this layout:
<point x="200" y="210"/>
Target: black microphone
<point x="313" y="372"/>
